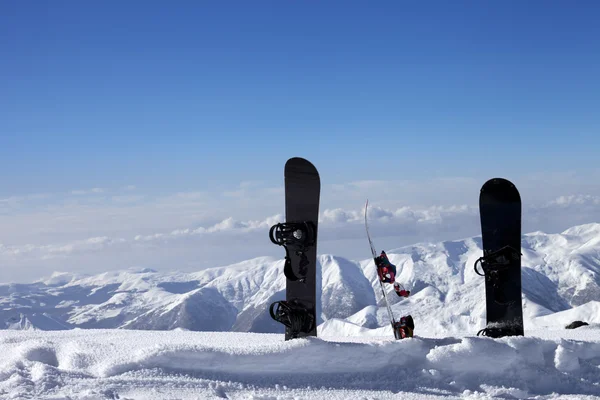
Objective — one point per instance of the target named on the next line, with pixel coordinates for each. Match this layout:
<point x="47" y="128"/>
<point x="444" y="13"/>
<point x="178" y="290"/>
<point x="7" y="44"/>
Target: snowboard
<point x="398" y="327"/>
<point x="298" y="235"/>
<point x="500" y="214"/>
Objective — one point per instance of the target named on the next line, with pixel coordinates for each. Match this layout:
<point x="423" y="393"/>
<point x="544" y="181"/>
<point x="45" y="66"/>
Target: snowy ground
<point x="354" y="356"/>
<point x="128" y="364"/>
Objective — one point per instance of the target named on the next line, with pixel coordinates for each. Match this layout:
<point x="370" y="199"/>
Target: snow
<point x="129" y="364"/>
<point x="143" y="334"/>
<point x="589" y="312"/>
<point x="561" y="272"/>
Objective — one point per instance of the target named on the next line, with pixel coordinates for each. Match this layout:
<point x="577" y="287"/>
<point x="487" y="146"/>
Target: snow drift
<point x="127" y="364"/>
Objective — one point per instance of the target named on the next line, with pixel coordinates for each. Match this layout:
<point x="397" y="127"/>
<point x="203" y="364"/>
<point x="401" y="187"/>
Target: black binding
<point x="293" y="315"/>
<point x="500" y="331"/>
<point x="494" y="263"/>
<point x="297" y="236"/>
<point x="497" y="260"/>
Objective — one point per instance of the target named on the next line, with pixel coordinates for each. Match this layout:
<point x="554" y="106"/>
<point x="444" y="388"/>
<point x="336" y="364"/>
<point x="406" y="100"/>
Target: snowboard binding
<point x="497" y="261"/>
<point x="494" y="264"/>
<point x="400" y="291"/>
<point x="293" y="315"/>
<point x="299" y="237"/>
<point x="385" y="269"/>
<point x="404" y="328"/>
<point x="500" y="331"/>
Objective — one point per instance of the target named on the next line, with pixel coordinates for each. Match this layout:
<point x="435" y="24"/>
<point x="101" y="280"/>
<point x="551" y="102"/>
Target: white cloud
<point x="87" y="245"/>
<point x="572" y="200"/>
<point x="407" y="224"/>
<point x="83" y="192"/>
<point x="227" y="225"/>
<point x="14" y="202"/>
<point x="127" y="199"/>
<point x="195" y="229"/>
<point x="337" y="216"/>
<point x="78" y="246"/>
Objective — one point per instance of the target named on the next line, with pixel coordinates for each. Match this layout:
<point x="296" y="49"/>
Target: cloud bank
<point x="97" y="230"/>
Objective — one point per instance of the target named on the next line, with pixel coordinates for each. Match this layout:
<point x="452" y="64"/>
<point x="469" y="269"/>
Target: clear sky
<point x="155" y="93"/>
<point x="113" y="104"/>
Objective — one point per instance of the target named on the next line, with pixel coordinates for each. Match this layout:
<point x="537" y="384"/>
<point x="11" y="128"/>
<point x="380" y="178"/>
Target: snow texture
<point x="129" y="364"/>
<point x="143" y="334"/>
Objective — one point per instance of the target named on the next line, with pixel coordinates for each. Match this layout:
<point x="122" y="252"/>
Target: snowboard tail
<point x="500" y="214"/>
<point x="298" y="235"/>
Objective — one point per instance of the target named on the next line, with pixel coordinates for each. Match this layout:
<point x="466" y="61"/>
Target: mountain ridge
<point x="560" y="272"/>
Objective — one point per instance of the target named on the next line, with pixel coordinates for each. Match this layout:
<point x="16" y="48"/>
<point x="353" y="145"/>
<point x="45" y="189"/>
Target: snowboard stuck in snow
<point x="500" y="213"/>
<point x="298" y="235"/>
<point x="386" y="272"/>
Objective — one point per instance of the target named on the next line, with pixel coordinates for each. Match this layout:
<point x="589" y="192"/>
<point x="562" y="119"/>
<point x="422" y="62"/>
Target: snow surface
<point x="82" y="337"/>
<point x="129" y="364"/>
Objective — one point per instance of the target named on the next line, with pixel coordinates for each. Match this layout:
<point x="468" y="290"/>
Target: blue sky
<point x="133" y="124"/>
<point x="168" y="97"/>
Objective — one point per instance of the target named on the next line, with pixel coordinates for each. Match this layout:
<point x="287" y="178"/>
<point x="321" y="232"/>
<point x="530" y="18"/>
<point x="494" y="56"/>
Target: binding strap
<point x="497" y="261"/>
<point x="293" y="315"/>
<point x="497" y="332"/>
<point x="297" y="236"/>
<point x="493" y="264"/>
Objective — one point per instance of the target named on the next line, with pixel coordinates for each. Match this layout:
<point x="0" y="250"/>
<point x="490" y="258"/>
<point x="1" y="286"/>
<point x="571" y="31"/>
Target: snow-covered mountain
<point x="561" y="282"/>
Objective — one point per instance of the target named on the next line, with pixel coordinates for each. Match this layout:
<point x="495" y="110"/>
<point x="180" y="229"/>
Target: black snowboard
<point x="299" y="236"/>
<point x="500" y="212"/>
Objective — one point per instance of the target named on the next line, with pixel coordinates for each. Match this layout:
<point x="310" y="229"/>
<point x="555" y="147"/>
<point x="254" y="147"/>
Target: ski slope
<point x="127" y="364"/>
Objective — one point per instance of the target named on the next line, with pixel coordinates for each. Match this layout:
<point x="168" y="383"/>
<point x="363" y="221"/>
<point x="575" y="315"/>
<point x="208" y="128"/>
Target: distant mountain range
<point x="561" y="282"/>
